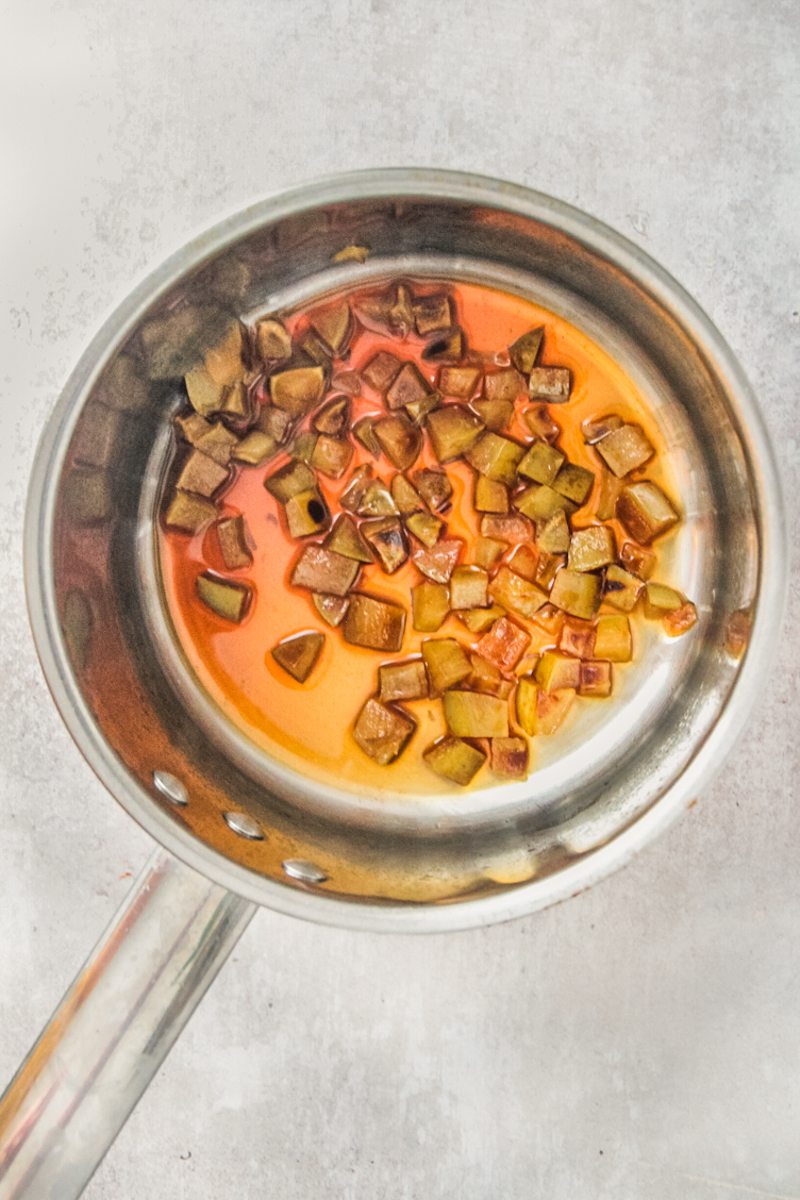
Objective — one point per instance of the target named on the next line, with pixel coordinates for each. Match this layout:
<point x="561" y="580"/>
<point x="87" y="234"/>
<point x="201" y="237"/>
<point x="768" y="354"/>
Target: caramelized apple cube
<point x="307" y="514"/>
<point x="504" y="644"/>
<point x="382" y="732"/>
<point x="432" y="313"/>
<point x="645" y="511"/>
<point x="552" y="384"/>
<point x="188" y="513"/>
<point x="274" y="421"/>
<point x="201" y="475"/>
<point x="446" y="662"/>
<point x="255" y="448"/>
<point x="576" y="593"/>
<point x="556" y="671"/>
<point x="594" y="430"/>
<point x="625" y="449"/>
<point x="417" y="410"/>
<point x="233" y="542"/>
<point x="374" y="623"/>
<point x="299" y="654"/>
<point x="273" y="340"/>
<point x="399" y="440"/>
<point x="406" y="497"/>
<point x="453" y="429"/>
<point x="381" y="370"/>
<point x="475" y="714"/>
<point x="430" y="604"/>
<point x="478" y="620"/>
<point x="660" y="599"/>
<point x="334" y="324"/>
<point x="334" y="416"/>
<point x="425" y="526"/>
<point x="547" y="567"/>
<point x="386" y="537"/>
<point x="525" y="699"/>
<point x="637" y="560"/>
<point x="332" y="609"/>
<point x="302" y="446"/>
<point x="621" y="588"/>
<point x="364" y="432"/>
<point x="539" y="502"/>
<point x="434" y="487"/>
<point x="612" y="639"/>
<point x="608" y="494"/>
<point x="577" y="638"/>
<point x="375" y="501"/>
<point x="322" y="570"/>
<point x="550" y="619"/>
<point x="297" y="389"/>
<point x="553" y="534"/>
<point x="525" y="350"/>
<point x="445" y="347"/>
<point x="592" y="548"/>
<point x="509" y="757"/>
<point x="346" y="539"/>
<point x="513" y="528"/>
<point x="454" y="759"/>
<point x="331" y="455"/>
<point x="227" y="599"/>
<point x="402" y="681"/>
<point x="595" y="678"/>
<point x="502" y="385"/>
<point x="496" y="457"/>
<point x="217" y="441"/>
<point x="458" y="382"/>
<point x="468" y="588"/>
<point x="680" y="620"/>
<point x="438" y="562"/>
<point x="408" y="387"/>
<point x="542" y="463"/>
<point x="525" y="562"/>
<point x="552" y="708"/>
<point x="488" y="551"/>
<point x="574" y="482"/>
<point x="513" y="592"/>
<point x="486" y="677"/>
<point x="290" y="480"/>
<point x="495" y="414"/>
<point x="205" y="395"/>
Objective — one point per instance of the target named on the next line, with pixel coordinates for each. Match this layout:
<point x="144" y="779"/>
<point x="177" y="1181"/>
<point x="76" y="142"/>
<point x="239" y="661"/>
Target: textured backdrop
<point x="641" y="1041"/>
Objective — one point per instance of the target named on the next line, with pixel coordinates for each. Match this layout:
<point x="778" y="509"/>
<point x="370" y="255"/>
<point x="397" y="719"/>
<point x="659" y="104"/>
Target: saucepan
<point x="236" y="830"/>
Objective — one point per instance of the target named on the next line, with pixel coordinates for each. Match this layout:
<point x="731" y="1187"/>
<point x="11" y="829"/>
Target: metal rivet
<point x="305" y="872"/>
<point x="171" y="788"/>
<point x="244" y="825"/>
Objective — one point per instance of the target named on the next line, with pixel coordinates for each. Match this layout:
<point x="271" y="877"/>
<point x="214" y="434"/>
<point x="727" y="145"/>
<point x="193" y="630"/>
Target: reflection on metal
<point x="245" y="825"/>
<point x="170" y="787"/>
<point x="304" y="872"/>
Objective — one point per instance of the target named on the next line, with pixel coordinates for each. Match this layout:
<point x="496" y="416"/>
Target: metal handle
<point x="114" y="1028"/>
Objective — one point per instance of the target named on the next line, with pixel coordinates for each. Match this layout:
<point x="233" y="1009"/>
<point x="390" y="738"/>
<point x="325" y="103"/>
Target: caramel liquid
<point x="307" y="726"/>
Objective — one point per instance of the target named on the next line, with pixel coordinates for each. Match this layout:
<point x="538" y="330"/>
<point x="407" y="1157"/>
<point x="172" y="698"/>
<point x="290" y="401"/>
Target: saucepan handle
<point x="114" y="1028"/>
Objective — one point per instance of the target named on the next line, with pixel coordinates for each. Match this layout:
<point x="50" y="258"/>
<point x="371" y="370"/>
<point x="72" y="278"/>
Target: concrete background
<point x="640" y="1041"/>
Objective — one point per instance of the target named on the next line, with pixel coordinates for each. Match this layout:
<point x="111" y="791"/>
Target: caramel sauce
<point x="307" y="726"/>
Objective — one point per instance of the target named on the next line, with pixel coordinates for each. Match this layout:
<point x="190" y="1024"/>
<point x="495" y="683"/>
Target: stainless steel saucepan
<point x="236" y="830"/>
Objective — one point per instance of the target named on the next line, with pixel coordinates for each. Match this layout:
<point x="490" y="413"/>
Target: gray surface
<point x="641" y="1040"/>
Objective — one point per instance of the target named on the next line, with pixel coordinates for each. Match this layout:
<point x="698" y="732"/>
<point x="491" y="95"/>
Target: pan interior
<point x="145" y="708"/>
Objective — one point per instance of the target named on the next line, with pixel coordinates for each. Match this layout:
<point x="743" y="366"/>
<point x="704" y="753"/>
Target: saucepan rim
<point x="319" y="906"/>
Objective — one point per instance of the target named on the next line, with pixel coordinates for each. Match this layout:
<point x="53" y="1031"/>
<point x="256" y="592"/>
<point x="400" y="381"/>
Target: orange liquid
<point x="307" y="726"/>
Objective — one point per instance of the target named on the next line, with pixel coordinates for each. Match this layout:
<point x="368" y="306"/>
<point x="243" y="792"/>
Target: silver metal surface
<point x="113" y="1029"/>
<point x="170" y="787"/>
<point x="489" y="859"/>
<point x="304" y="872"/>
<point x="244" y="825"/>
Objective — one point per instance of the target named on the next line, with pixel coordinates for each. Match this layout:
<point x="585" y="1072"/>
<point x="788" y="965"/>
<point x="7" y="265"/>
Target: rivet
<point x="170" y="788"/>
<point x="305" y="872"/>
<point x="244" y="825"/>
